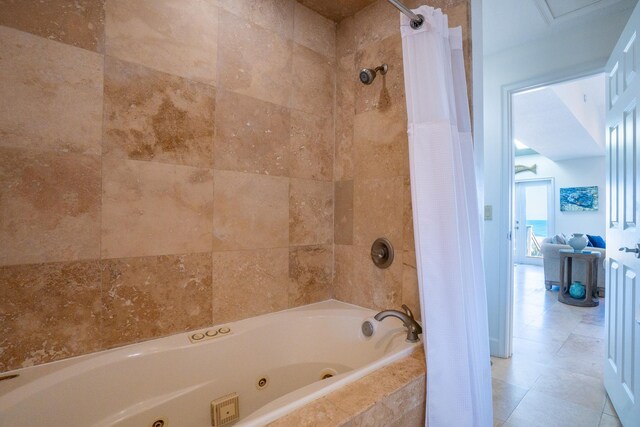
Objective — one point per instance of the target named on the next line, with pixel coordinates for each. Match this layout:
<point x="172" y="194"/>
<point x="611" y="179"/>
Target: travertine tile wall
<point x="169" y="165"/>
<point x="371" y="174"/>
<point x="164" y="165"/>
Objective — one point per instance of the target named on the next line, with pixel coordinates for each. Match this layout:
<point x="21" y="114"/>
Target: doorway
<point x="533" y="219"/>
<point x="559" y="53"/>
<point x="555" y="347"/>
<point x="557" y="143"/>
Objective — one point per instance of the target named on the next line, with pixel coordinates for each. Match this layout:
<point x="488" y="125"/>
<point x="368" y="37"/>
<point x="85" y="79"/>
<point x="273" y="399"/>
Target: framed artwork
<point x="579" y="199"/>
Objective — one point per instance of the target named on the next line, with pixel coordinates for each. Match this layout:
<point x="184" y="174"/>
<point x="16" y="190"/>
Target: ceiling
<point x="508" y="23"/>
<point x="336" y="10"/>
<point x="562" y="121"/>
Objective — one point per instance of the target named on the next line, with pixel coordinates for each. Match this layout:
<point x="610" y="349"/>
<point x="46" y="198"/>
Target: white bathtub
<point x="174" y="380"/>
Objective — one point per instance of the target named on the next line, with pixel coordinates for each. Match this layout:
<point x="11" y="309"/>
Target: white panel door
<point x="622" y="313"/>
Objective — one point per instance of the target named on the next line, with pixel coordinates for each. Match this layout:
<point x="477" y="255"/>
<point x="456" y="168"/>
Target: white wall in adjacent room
<point x="585" y="172"/>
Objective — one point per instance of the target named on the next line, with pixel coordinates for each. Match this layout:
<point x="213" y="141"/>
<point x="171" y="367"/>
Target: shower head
<point x="367" y="75"/>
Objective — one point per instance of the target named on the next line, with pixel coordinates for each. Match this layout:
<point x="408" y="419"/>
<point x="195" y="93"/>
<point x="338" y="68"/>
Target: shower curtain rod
<point x="416" y="20"/>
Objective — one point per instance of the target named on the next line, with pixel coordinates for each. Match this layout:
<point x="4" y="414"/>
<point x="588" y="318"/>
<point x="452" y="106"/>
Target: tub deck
<point x="394" y="396"/>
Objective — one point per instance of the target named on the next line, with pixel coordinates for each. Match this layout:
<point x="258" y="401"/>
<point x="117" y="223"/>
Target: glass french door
<point x="533" y="219"/>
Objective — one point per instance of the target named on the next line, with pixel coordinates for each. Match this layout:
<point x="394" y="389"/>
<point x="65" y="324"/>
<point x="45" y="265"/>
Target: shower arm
<point x="416" y="20"/>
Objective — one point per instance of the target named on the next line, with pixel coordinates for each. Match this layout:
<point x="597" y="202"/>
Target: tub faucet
<point x="413" y="327"/>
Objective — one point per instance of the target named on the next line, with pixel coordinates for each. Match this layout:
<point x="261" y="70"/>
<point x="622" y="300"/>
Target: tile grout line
<point x="102" y="137"/>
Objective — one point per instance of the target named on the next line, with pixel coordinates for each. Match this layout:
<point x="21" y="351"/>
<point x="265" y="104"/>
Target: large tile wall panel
<point x="153" y="208"/>
<point x="251" y="211"/>
<point x="48" y="312"/>
<point x="52" y="95"/>
<point x="146" y="297"/>
<point x="254" y="61"/>
<point x="249" y="283"/>
<point x="150" y="115"/>
<point x="179" y="37"/>
<point x="49" y="206"/>
<point x="252" y="135"/>
<point x="78" y="23"/>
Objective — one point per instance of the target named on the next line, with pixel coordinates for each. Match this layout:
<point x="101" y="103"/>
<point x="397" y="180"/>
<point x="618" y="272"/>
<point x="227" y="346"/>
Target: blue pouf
<point x="577" y="290"/>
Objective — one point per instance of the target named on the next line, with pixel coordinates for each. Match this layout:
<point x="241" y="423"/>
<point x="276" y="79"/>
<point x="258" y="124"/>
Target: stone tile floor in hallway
<point x="555" y="375"/>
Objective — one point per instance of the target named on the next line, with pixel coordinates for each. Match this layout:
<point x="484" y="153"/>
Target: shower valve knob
<point x="382" y="253"/>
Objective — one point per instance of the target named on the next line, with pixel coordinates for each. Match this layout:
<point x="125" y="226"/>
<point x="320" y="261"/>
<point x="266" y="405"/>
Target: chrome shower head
<point x="367" y="75"/>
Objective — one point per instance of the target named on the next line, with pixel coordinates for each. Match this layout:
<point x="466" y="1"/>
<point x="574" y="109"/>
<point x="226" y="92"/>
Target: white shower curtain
<point x="446" y="221"/>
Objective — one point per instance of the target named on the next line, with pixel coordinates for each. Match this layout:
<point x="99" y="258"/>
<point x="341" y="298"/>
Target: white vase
<point x="577" y="241"/>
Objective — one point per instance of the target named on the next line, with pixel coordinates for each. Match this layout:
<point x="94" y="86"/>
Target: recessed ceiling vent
<point x="554" y="11"/>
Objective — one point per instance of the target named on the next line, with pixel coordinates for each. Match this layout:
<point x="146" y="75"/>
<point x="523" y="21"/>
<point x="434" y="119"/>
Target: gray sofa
<point x="551" y="260"/>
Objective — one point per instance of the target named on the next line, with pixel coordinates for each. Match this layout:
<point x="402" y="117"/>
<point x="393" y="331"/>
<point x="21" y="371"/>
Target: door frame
<point x="504" y="345"/>
<point x="551" y="208"/>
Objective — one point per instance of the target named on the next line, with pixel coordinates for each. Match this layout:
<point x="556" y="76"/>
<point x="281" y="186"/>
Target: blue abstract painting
<point x="579" y="199"/>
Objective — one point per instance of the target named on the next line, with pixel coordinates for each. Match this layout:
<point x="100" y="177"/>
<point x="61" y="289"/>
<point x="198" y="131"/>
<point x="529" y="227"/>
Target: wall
<point x="583" y="172"/>
<point x="164" y="165"/>
<point x="562" y="55"/>
<point x="372" y="192"/>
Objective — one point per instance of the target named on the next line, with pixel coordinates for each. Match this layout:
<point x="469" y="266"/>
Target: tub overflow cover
<point x="367" y="328"/>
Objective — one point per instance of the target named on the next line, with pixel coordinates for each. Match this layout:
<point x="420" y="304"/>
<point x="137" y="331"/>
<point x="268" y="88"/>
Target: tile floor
<point x="555" y="375"/>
